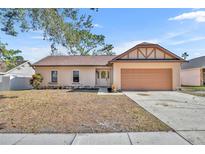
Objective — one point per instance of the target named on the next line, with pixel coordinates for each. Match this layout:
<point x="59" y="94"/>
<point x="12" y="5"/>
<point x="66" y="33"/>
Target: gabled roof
<point x="198" y="62"/>
<point x="9" y="71"/>
<point x="101" y="60"/>
<point x="74" y="61"/>
<point x="148" y="45"/>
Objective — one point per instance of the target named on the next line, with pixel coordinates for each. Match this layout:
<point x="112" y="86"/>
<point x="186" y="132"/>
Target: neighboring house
<point x="144" y="67"/>
<point x="17" y="78"/>
<point x="193" y="72"/>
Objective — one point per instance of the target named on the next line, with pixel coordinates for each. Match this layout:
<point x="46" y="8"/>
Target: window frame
<point x="76" y="77"/>
<point x="98" y="74"/>
<point x="52" y="77"/>
<point x="108" y="74"/>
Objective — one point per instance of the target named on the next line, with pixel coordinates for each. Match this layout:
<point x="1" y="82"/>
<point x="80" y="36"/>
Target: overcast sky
<point x="179" y="30"/>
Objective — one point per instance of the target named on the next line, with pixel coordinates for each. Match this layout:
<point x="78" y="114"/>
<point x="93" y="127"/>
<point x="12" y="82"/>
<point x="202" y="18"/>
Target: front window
<point x="75" y="76"/>
<point x="54" y="76"/>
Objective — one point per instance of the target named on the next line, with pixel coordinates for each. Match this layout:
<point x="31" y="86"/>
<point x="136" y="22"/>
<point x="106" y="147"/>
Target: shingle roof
<point x="96" y="60"/>
<point x="146" y="43"/>
<point x="195" y="63"/>
<point x="74" y="61"/>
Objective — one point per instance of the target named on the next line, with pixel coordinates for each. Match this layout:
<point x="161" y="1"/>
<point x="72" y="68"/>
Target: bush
<point x="36" y="81"/>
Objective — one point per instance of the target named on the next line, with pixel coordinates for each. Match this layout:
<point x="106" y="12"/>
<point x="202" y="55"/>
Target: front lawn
<point x="68" y="112"/>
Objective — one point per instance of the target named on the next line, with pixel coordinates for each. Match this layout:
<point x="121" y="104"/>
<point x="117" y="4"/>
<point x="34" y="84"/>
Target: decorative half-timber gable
<point x="147" y="51"/>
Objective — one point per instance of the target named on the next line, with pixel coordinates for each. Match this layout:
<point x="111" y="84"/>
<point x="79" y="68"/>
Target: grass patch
<point x="194" y="90"/>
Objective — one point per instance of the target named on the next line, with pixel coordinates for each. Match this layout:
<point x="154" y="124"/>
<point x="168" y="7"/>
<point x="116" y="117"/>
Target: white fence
<point x="14" y="83"/>
<point x="4" y="82"/>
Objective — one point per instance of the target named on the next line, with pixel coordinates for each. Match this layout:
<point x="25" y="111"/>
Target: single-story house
<point x="17" y="78"/>
<point x="193" y="72"/>
<point x="146" y="66"/>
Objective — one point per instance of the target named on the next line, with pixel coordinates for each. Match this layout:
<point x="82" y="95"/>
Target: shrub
<point x="36" y="81"/>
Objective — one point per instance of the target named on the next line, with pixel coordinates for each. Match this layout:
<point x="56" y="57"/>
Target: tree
<point x="66" y="27"/>
<point x="10" y="57"/>
<point x="36" y="80"/>
<point x="185" y="55"/>
<point x="106" y="50"/>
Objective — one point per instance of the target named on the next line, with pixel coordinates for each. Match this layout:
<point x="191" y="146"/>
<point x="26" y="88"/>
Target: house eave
<point x="145" y="60"/>
<point x="203" y="67"/>
<point x="71" y="65"/>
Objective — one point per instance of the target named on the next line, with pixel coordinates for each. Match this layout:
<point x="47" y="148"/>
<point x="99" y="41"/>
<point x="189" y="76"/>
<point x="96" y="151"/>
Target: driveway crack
<point x="184" y="138"/>
<point x="19" y="140"/>
<point x="73" y="139"/>
<point x="129" y="138"/>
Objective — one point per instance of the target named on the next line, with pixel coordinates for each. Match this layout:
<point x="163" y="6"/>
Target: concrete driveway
<point x="183" y="112"/>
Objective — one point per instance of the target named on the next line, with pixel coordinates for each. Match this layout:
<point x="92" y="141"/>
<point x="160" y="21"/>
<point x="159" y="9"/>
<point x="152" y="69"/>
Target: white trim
<point x="192" y="68"/>
<point x="2" y="73"/>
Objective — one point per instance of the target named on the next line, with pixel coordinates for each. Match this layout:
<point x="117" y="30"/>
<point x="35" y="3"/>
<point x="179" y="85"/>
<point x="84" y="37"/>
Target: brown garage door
<point x="146" y="79"/>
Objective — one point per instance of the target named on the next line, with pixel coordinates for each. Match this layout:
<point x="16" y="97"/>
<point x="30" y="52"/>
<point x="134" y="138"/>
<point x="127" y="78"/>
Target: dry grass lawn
<point x="59" y="111"/>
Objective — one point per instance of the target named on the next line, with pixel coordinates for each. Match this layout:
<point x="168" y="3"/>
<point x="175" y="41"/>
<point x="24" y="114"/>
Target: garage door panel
<point x="146" y="79"/>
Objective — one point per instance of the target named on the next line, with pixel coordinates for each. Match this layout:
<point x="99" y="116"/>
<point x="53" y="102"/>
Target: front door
<point x="103" y="77"/>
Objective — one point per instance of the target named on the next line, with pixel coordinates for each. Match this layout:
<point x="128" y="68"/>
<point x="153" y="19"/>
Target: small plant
<point x="36" y="81"/>
<point x="113" y="88"/>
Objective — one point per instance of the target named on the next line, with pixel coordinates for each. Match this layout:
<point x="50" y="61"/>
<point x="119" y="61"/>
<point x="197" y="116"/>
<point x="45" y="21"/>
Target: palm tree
<point x="185" y="55"/>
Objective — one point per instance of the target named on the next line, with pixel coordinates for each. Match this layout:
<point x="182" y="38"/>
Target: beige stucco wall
<point x="88" y="75"/>
<point x="191" y="77"/>
<point x="176" y="67"/>
<point x="65" y="75"/>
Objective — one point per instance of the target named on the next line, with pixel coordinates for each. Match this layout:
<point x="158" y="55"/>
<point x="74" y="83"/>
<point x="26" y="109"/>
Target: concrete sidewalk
<point x="136" y="138"/>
